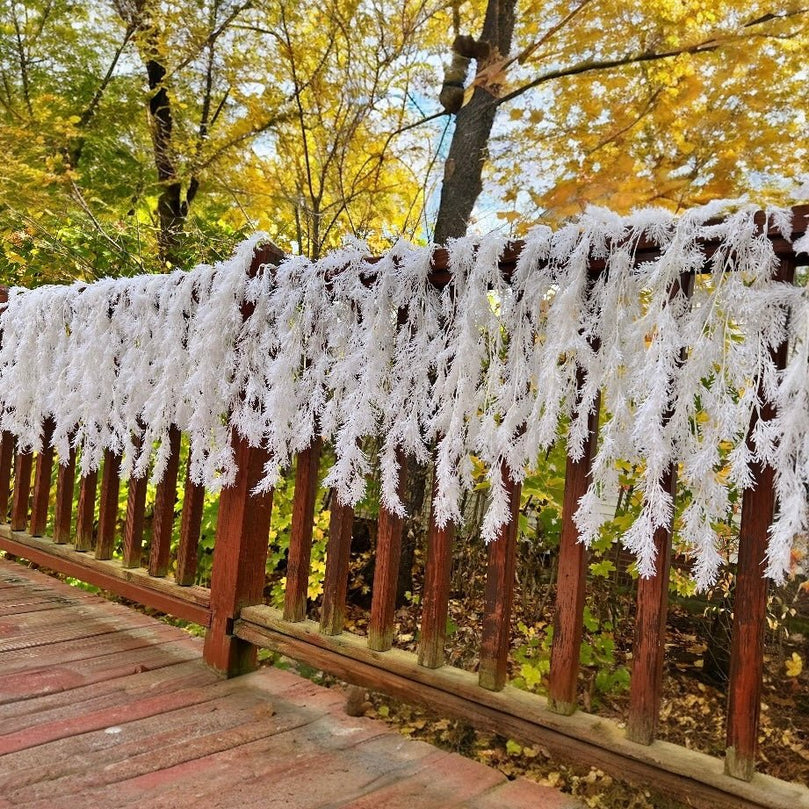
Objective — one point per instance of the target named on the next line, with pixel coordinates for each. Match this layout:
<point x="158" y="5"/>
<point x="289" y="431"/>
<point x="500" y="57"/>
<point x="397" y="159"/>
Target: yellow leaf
<point x="794" y="665"/>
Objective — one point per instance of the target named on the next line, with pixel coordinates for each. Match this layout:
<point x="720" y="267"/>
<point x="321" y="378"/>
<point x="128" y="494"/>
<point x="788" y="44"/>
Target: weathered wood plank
<point x="300" y="541"/>
<point x="338" y="555"/>
<point x="165" y="501"/>
<point x="386" y="569"/>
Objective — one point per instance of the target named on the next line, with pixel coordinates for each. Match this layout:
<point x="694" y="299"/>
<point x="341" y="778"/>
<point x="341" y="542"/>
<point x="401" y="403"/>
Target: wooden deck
<point x="107" y="706"/>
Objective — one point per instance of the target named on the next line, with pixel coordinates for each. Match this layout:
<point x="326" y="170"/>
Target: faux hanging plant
<point x="484" y="368"/>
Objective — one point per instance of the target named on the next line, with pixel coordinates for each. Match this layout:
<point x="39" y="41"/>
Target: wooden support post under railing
<point x="190" y="526"/>
<point x="85" y="516"/>
<point x="108" y="505"/>
<point x="42" y="482"/>
<point x="499" y="595"/>
<point x="22" y="490"/>
<point x="386" y="570"/>
<point x="435" y="598"/>
<point x="300" y="541"/>
<point x="570" y="583"/>
<point x="63" y="511"/>
<point x="240" y="558"/>
<point x="646" y="685"/>
<point x="6" y="462"/>
<point x="750" y="598"/>
<point x="135" y="519"/>
<point x="650" y="636"/>
<point x="165" y="501"/>
<point x="338" y="554"/>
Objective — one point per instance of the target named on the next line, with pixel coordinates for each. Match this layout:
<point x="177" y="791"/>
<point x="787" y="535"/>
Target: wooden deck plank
<point x="125" y="713"/>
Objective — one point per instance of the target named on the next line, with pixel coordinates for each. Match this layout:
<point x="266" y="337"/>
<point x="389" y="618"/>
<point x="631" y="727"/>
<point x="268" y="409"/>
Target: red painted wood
<point x="338" y="554"/>
<point x="650" y="637"/>
<point x="567" y="622"/>
<point x="190" y="526"/>
<point x="165" y="501"/>
<point x="165" y="602"/>
<point x="63" y="512"/>
<point x="6" y="462"/>
<point x="499" y="595"/>
<point x="435" y="598"/>
<point x="42" y="482"/>
<point x="135" y="519"/>
<point x="750" y="600"/>
<point x="646" y="685"/>
<point x="108" y="505"/>
<point x="386" y="569"/>
<point x="22" y="490"/>
<point x="86" y="512"/>
<point x="240" y="556"/>
<point x="300" y="542"/>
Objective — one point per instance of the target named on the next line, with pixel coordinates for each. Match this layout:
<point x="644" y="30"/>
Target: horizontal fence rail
<point x="83" y="517"/>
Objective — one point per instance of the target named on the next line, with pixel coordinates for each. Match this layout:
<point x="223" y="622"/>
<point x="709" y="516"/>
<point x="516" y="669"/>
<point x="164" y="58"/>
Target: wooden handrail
<point x="237" y="624"/>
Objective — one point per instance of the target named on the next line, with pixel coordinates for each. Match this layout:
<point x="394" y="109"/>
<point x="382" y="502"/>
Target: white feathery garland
<point x="345" y="348"/>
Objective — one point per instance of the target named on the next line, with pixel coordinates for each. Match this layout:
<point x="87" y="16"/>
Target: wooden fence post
<point x="386" y="571"/>
<point x="239" y="560"/>
<point x="242" y="536"/>
<point x="499" y="594"/>
<point x="570" y="583"/>
<point x="750" y="599"/>
<point x="300" y="540"/>
<point x="646" y="685"/>
<point x="437" y="575"/>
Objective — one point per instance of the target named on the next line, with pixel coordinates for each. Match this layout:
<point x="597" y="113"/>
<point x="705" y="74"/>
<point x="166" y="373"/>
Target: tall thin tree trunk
<point x="473" y="126"/>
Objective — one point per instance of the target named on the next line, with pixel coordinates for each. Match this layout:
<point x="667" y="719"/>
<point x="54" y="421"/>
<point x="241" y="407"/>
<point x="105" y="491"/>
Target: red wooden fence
<point x="84" y="537"/>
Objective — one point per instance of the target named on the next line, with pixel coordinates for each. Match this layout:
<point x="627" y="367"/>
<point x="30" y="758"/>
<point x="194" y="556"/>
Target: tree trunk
<point x="473" y="125"/>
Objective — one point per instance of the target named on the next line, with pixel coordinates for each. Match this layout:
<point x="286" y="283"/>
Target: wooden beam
<point x="300" y="541"/>
<point x="6" y="463"/>
<point x="134" y="523"/>
<point x="646" y="684"/>
<point x="695" y="778"/>
<point x="240" y="558"/>
<point x="86" y="511"/>
<point x="499" y="594"/>
<point x="22" y="490"/>
<point x="435" y="596"/>
<point x="338" y="554"/>
<point x="187" y="603"/>
<point x="190" y="526"/>
<point x="386" y="569"/>
<point x="571" y="579"/>
<point x="42" y="482"/>
<point x="63" y="511"/>
<point x="165" y="501"/>
<point x="108" y="505"/>
<point x="750" y="596"/>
